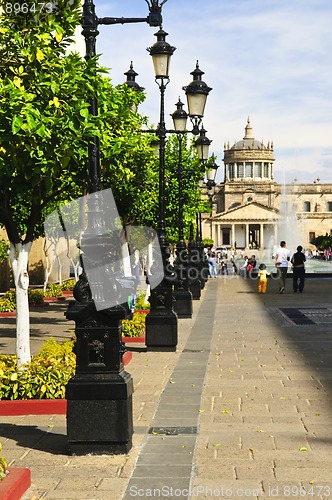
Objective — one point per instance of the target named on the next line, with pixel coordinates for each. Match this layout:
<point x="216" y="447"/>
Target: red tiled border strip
<point x="15" y="484"/>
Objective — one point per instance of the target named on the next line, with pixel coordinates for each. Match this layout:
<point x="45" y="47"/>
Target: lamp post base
<point x="183" y="305"/>
<point x="161" y="330"/>
<point x="195" y="287"/>
<point x="99" y="413"/>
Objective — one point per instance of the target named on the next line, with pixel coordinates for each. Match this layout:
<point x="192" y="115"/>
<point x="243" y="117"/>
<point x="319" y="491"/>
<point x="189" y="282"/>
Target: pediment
<point x="252" y="211"/>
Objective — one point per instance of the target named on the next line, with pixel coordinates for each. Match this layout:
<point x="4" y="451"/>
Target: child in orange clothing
<point x="262" y="278"/>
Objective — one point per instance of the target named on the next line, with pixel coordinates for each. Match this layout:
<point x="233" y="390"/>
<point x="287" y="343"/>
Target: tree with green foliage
<point x="192" y="174"/>
<point x="4" y="249"/>
<point x="322" y="242"/>
<point x="45" y="129"/>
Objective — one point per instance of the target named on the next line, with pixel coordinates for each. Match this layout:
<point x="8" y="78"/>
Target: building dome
<point x="248" y="158"/>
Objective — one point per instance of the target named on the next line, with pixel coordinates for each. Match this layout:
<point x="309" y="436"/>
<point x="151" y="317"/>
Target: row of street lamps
<point x="172" y="298"/>
<point x="99" y="396"/>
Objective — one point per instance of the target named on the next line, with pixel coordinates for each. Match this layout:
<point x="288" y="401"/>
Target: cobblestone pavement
<point x="241" y="409"/>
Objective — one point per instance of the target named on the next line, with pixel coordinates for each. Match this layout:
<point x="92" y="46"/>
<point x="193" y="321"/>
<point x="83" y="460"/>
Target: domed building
<point x="252" y="211"/>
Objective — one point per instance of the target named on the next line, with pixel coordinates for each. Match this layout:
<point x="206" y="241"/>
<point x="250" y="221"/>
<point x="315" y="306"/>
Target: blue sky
<point x="267" y="59"/>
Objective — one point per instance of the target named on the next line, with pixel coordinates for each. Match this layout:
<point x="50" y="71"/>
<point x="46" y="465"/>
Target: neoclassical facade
<point x="252" y="211"/>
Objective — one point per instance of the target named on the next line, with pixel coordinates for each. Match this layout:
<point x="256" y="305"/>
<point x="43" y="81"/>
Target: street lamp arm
<point x="153" y="19"/>
<point x="124" y="20"/>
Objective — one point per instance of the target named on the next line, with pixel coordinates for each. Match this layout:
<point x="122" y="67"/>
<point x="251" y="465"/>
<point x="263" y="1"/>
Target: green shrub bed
<point x="140" y="305"/>
<point x="53" y="290"/>
<point x="45" y="377"/>
<point x="134" y="327"/>
<point x="68" y="285"/>
<point x="3" y="466"/>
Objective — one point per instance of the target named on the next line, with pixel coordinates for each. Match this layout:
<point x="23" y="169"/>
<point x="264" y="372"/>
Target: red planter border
<point x="54" y="299"/>
<point x="133" y="339"/>
<point x="8" y="314"/>
<point x="15" y="484"/>
<point x="33" y="407"/>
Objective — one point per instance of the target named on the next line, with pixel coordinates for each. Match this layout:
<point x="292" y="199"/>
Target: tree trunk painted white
<point x="126" y="260"/>
<point x="58" y="257"/>
<point x="49" y="261"/>
<point x="19" y="254"/>
<point x="149" y="262"/>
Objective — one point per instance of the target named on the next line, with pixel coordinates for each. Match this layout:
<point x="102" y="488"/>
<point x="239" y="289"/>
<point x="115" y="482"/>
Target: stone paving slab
<point x="253" y="388"/>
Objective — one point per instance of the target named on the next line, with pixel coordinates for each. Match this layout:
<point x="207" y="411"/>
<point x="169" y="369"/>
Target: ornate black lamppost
<point x="99" y="396"/>
<point x="182" y="295"/>
<point x="211" y="172"/>
<point x="161" y="322"/>
<point x="198" y="273"/>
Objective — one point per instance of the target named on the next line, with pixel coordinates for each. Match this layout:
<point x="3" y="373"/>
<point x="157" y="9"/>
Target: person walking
<point x="282" y="257"/>
<point x="298" y="259"/>
<point x="262" y="278"/>
<point x="212" y="263"/>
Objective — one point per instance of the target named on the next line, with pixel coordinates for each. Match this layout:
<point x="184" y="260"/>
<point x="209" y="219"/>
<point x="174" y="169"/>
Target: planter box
<point x="67" y="293"/>
<point x="15" y="484"/>
<point x="142" y="311"/>
<point x="41" y="406"/>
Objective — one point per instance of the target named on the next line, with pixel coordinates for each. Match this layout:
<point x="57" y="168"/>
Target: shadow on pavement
<point x="36" y="438"/>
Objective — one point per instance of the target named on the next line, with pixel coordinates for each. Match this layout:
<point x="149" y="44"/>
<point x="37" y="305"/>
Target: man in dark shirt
<point x="298" y="261"/>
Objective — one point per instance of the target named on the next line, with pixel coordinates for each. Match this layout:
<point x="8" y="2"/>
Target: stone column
<point x="233" y="235"/>
<point x="261" y="237"/>
<point x="247" y="235"/>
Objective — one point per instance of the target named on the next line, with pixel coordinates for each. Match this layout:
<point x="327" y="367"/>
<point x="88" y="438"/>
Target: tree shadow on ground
<point x="36" y="438"/>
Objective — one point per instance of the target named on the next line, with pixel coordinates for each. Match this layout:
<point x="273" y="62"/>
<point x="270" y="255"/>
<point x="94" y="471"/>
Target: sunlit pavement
<point x="242" y="409"/>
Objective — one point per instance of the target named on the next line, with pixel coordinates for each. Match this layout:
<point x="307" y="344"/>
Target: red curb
<point x="7" y="314"/>
<point x="41" y="406"/>
<point x="15" y="484"/>
<point x="33" y="407"/>
<point x="54" y="299"/>
<point x="133" y="339"/>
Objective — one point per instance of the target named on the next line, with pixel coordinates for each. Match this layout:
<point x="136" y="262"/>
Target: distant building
<point x="252" y="211"/>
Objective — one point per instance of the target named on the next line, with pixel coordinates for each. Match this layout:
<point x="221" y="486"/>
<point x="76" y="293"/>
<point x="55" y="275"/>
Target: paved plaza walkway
<point x="243" y="408"/>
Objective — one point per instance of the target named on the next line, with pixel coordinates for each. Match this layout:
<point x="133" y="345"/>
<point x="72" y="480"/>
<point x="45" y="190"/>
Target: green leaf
<point x="17" y="124"/>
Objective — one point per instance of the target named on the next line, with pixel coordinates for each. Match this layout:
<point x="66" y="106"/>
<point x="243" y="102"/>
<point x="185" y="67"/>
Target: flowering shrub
<point x="53" y="290"/>
<point x="140" y="305"/>
<point x="134" y="327"/>
<point x="45" y="377"/>
<point x="68" y="285"/>
<point x="8" y="301"/>
<point x="36" y="296"/>
<point x="3" y="466"/>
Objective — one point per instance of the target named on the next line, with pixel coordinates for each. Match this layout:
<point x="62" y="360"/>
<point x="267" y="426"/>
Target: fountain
<point x="289" y="229"/>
